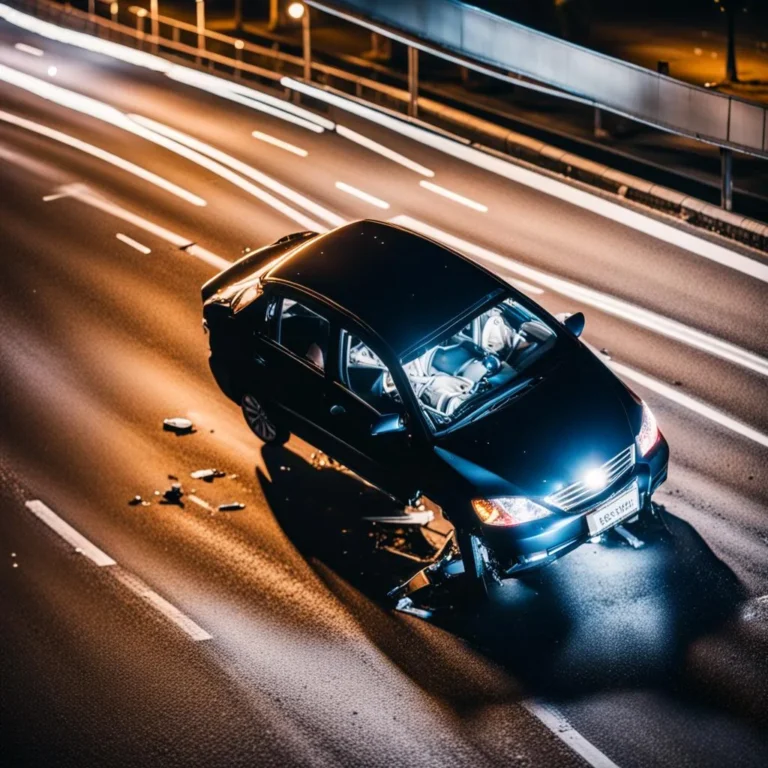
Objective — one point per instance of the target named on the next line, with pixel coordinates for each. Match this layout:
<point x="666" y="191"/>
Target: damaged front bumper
<point x="534" y="545"/>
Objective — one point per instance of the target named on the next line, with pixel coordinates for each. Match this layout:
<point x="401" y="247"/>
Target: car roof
<point x="401" y="285"/>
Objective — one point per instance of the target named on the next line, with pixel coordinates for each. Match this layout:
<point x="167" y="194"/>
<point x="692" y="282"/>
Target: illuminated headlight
<point x="649" y="433"/>
<point x="508" y="510"/>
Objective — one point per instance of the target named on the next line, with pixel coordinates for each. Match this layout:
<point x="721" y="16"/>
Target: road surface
<point x="184" y="635"/>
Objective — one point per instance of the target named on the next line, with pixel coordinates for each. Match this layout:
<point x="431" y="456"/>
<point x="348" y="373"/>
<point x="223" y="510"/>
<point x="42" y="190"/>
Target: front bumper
<point x="535" y="544"/>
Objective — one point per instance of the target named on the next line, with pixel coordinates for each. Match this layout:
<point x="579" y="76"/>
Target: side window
<point x="365" y="374"/>
<point x="303" y="332"/>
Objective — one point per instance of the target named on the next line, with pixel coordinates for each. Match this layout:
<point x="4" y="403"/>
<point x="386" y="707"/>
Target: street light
<point x="296" y="10"/>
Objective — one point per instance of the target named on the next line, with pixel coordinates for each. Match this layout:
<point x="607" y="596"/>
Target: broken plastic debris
<point x="173" y="494"/>
<point x="178" y="424"/>
<point x="138" y="501"/>
<point x="233" y="506"/>
<point x="209" y="475"/>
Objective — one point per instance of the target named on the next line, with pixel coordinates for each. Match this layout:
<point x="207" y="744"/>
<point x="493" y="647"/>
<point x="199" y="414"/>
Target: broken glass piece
<point x="178" y="424"/>
<point x="231" y="507"/>
<point x="209" y="475"/>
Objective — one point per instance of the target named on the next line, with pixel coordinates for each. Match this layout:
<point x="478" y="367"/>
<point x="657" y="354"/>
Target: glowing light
<point x="52" y="71"/>
<point x="239" y="44"/>
<point x="30" y="49"/>
<point x="251" y="98"/>
<point x="81" y="40"/>
<point x="296" y="10"/>
<point x="596" y="478"/>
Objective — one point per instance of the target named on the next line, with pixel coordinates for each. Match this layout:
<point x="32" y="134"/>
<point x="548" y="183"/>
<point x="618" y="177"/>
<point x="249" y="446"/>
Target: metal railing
<point x="204" y="48"/>
<point x="452" y="29"/>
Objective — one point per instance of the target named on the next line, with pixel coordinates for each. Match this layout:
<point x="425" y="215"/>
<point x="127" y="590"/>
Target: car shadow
<point x="604" y="617"/>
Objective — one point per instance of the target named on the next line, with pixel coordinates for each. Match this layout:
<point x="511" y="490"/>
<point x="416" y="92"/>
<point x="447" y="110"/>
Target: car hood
<point x="572" y="420"/>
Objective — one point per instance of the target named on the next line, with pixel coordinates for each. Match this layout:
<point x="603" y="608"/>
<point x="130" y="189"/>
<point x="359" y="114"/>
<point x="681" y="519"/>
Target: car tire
<point x="477" y="576"/>
<point x="261" y="424"/>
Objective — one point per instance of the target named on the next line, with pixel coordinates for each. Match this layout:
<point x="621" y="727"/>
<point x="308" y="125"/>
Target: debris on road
<point x="208" y="475"/>
<point x="178" y="425"/>
<point x="234" y="506"/>
<point x="138" y="501"/>
<point x="173" y="495"/>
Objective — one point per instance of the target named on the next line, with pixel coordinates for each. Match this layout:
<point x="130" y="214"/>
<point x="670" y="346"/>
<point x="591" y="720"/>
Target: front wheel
<point x="260" y="423"/>
<point x="478" y="576"/>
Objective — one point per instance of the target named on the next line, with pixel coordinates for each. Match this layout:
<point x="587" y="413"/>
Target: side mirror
<point x="388" y="423"/>
<point x="575" y="323"/>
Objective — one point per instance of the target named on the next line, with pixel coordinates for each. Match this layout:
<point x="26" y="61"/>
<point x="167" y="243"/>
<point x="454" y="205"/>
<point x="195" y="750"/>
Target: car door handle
<point x="338" y="410"/>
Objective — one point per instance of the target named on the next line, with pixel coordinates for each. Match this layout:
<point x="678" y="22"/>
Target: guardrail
<point x="449" y="28"/>
<point x="207" y="48"/>
<point x="172" y="34"/>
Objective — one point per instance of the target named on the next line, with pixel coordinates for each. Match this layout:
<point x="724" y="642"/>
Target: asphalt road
<point x="655" y="656"/>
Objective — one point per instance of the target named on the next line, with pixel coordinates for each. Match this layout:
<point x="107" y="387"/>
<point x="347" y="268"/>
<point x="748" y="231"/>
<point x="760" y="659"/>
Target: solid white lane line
<point x="553" y="187"/>
<point x="350" y="190"/>
<point x="82" y="193"/>
<point x="438" y="190"/>
<point x="30" y="49"/>
<point x="279" y="143"/>
<point x="133" y="243"/>
<point x="109" y="114"/>
<point x="68" y="533"/>
<point x="602" y="301"/>
<point x="102" y="154"/>
<point x="556" y="723"/>
<point x="380" y="149"/>
<point x="100" y="558"/>
<point x="81" y="40"/>
<point x="160" y="604"/>
<point x="686" y="401"/>
<point x="243" y="168"/>
<point x="249" y="97"/>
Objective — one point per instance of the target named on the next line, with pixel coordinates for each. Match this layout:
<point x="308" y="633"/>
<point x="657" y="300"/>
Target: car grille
<point x="577" y="493"/>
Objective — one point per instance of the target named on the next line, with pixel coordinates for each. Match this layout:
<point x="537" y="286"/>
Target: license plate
<point x="614" y="511"/>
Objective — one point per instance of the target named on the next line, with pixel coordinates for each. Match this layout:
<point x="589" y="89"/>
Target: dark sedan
<point x="427" y="375"/>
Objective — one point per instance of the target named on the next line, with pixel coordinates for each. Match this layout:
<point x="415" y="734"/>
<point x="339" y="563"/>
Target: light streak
<point x="438" y="190"/>
<point x="645" y="318"/>
<point x="350" y="190"/>
<point x="243" y="168"/>
<point x="101" y="154"/>
<point x="265" y="137"/>
<point x="549" y="186"/>
<point x="380" y="149"/>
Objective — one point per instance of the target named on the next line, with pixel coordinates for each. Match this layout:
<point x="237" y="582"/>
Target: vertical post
<point x="200" y="9"/>
<point x="113" y="9"/>
<point x="154" y="24"/>
<point x="91" y="7"/>
<point x="306" y="40"/>
<point x="726" y="179"/>
<point x="239" y="45"/>
<point x="413" y="81"/>
<point x="237" y="21"/>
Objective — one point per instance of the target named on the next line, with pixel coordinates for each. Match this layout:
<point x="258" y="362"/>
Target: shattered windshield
<point x="491" y="352"/>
